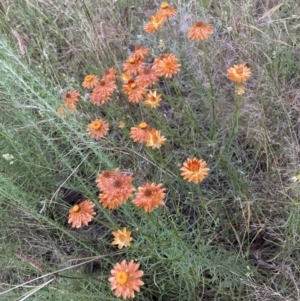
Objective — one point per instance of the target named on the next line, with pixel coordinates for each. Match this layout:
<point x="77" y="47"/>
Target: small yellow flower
<point x="122" y="238"/>
<point x="194" y="170"/>
<point x="239" y="73"/>
<point x="125" y="77"/>
<point x="90" y="81"/>
<point x="152" y="100"/>
<point x="121" y="124"/>
<point x="61" y="112"/>
<point x="296" y="178"/>
<point x="155" y="139"/>
<point x="240" y="90"/>
<point x="126" y="279"/>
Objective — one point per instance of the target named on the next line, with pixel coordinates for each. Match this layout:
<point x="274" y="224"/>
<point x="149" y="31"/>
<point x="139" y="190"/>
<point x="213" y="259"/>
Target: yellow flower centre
<point x="89" y="78"/>
<point x="76" y="208"/>
<point x="143" y="125"/>
<point x="96" y="125"/>
<point x="122" y="277"/>
<point x="133" y="86"/>
<point x="168" y="64"/>
<point x="164" y="5"/>
<point x="298" y="177"/>
<point x="131" y="60"/>
<point x="147" y="193"/>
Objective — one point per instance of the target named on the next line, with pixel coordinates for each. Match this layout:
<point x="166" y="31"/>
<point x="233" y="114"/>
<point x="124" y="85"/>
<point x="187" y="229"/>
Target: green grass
<point x="235" y="236"/>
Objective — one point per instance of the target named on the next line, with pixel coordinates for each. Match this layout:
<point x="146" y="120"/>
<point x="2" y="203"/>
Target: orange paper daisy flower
<point x="70" y="100"/>
<point x="140" y="133"/>
<point x="111" y="202"/>
<point x="105" y="178"/>
<point x="140" y="52"/>
<point x="166" y="65"/>
<point x="122" y="238"/>
<point x="152" y="100"/>
<point x="147" y="77"/>
<point x="125" y="77"/>
<point x="134" y="91"/>
<point x="81" y="214"/>
<point x="200" y="31"/>
<point x="103" y="91"/>
<point x="154" y="24"/>
<point x="166" y="11"/>
<point x="239" y="73"/>
<point x="149" y="196"/>
<point x="110" y="74"/>
<point x="98" y="128"/>
<point x="116" y="190"/>
<point x="194" y="170"/>
<point x="90" y="81"/>
<point x="126" y="279"/>
<point x="133" y="65"/>
<point x="155" y="140"/>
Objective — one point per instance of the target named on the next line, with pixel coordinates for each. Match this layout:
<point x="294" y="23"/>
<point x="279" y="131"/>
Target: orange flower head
<point x="140" y="133"/>
<point x="110" y="202"/>
<point x="61" y="112"/>
<point x="103" y="91"/>
<point x="155" y="140"/>
<point x="110" y="75"/>
<point x="81" y="214"/>
<point x="97" y="98"/>
<point x="126" y="279"/>
<point x="98" y="128"/>
<point x="116" y="190"/>
<point x="122" y="238"/>
<point x="140" y="52"/>
<point x="133" y="65"/>
<point x="154" y="24"/>
<point x="239" y="73"/>
<point x="200" y="31"/>
<point x="167" y="65"/>
<point x="134" y="91"/>
<point x="105" y="178"/>
<point x="194" y="170"/>
<point x="149" y="196"/>
<point x="72" y="95"/>
<point x="166" y="11"/>
<point x="147" y="77"/>
<point x="70" y="100"/>
<point x="125" y="77"/>
<point x="90" y="81"/>
<point x="152" y="100"/>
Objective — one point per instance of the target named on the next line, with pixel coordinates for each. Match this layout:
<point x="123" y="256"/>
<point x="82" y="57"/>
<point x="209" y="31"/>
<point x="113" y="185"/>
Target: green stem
<point x="211" y="90"/>
<point x="235" y="117"/>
